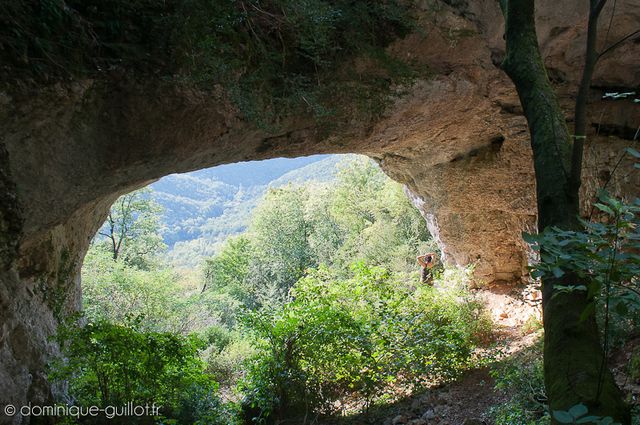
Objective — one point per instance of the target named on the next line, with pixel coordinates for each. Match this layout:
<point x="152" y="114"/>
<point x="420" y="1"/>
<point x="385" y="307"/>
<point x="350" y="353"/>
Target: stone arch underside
<point x="456" y="139"/>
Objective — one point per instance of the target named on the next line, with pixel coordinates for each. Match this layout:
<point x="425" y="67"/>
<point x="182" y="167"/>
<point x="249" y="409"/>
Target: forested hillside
<point x="202" y="208"/>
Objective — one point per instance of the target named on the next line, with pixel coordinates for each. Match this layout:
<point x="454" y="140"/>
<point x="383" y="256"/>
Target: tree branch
<point x="618" y="43"/>
<point x="595" y="11"/>
<point x="580" y="122"/>
<point x="631" y="290"/>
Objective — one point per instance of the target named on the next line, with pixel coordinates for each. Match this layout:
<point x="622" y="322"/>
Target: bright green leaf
<point x="587" y="312"/>
<point x="604" y="208"/>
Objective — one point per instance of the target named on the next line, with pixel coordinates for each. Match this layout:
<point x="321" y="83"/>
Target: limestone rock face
<point x="471" y="173"/>
<point x="456" y="139"/>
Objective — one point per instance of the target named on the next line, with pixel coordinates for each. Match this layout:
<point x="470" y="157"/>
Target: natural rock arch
<point x="457" y="140"/>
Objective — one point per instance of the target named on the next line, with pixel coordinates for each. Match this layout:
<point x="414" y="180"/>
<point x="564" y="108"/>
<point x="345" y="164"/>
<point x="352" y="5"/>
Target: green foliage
<point x="364" y="216"/>
<point x="633" y="368"/>
<point x="132" y="229"/>
<point x="315" y="331"/>
<point x="133" y="347"/>
<point x="590" y="254"/>
<point x="204" y="208"/>
<point x="380" y="224"/>
<point x="279" y="234"/>
<point x="132" y="284"/>
<point x="228" y="363"/>
<point x="139" y="288"/>
<point x="110" y="365"/>
<point x="283" y="55"/>
<point x="122" y="294"/>
<point x="578" y="414"/>
<point x="227" y="272"/>
<point x="338" y="339"/>
<point x="602" y="259"/>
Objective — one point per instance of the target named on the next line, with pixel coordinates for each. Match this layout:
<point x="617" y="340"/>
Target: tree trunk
<point x="573" y="355"/>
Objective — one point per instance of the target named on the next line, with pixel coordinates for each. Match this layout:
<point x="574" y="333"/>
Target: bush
<point x="107" y="364"/>
<point x="356" y="338"/>
<point x="227" y="364"/>
<point x="118" y="293"/>
<point x="600" y="260"/>
<point x="217" y="337"/>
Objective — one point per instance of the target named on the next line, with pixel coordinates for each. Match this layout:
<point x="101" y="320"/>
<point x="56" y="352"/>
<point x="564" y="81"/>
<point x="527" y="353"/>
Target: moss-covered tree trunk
<point x="573" y="356"/>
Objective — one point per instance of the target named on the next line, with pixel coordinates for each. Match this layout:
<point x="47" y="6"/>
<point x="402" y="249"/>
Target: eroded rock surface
<point x="456" y="139"/>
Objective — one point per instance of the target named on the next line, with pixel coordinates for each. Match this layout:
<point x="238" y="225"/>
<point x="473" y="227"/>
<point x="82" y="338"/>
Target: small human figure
<point x="427" y="261"/>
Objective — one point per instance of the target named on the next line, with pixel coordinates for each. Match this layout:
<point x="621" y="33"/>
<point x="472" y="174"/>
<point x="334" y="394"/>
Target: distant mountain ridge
<point x="202" y="208"/>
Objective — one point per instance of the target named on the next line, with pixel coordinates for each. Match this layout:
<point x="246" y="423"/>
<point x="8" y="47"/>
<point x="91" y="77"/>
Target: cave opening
<point x="184" y="226"/>
<point x="198" y="259"/>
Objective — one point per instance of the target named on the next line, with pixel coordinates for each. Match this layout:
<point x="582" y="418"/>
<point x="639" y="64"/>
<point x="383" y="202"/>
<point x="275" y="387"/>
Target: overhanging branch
<point x="618" y="43"/>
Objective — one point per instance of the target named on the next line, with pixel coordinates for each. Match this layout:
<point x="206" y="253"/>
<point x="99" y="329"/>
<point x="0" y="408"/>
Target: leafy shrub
<point x="602" y="260"/>
<point x="107" y="364"/>
<point x="217" y="337"/>
<point x="579" y="414"/>
<point x="589" y="254"/>
<point x="227" y="364"/>
<point x="354" y="338"/>
<point x="119" y="293"/>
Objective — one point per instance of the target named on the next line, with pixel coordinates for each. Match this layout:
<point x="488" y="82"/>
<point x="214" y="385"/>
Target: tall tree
<point x="132" y="228"/>
<point x="280" y="235"/>
<point x="573" y="356"/>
